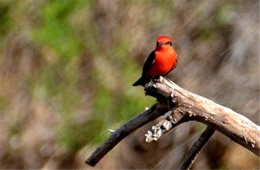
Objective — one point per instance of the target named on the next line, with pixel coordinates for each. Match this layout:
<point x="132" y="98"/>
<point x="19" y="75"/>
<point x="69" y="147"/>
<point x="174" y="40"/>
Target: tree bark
<point x="196" y="148"/>
<point x="184" y="106"/>
<point x="148" y="115"/>
<point x="234" y="125"/>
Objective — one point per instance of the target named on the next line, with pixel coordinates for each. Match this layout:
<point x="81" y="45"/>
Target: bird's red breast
<point x="160" y="62"/>
<point x="165" y="60"/>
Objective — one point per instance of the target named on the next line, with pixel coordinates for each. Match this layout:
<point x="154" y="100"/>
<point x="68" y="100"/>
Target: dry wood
<point x="196" y="148"/>
<point x="234" y="125"/>
<point x="186" y="106"/>
<point x="171" y="120"/>
<point x="136" y="122"/>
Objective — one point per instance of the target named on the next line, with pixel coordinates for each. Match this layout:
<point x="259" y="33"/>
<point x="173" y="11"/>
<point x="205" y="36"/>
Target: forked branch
<point x="185" y="106"/>
<point x="127" y="128"/>
<point x="234" y="125"/>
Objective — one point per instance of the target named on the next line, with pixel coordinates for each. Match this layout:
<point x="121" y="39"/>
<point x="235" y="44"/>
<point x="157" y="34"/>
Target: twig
<point x="196" y="148"/>
<point x="136" y="122"/>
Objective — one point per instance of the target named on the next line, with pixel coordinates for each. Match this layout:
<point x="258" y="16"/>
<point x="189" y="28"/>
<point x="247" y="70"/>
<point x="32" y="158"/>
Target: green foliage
<point x="58" y="81"/>
<point x="4" y="18"/>
<point x="74" y="136"/>
<point x="56" y="32"/>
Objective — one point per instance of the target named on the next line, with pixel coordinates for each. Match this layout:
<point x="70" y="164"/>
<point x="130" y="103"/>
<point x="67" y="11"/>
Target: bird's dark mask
<point x="166" y="43"/>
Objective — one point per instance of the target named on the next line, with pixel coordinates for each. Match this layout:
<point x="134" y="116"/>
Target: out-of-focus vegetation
<point x="67" y="66"/>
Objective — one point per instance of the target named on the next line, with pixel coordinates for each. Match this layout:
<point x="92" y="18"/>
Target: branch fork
<point x="178" y="106"/>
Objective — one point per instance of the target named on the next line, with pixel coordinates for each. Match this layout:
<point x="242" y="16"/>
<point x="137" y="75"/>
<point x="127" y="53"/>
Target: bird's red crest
<point x="164" y="39"/>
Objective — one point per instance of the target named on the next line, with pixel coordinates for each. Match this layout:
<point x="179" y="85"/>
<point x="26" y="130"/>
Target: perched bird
<point x="160" y="62"/>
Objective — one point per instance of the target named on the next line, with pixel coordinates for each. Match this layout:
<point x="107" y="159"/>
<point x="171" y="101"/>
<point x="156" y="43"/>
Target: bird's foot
<point x="159" y="79"/>
<point x="155" y="79"/>
<point x="148" y="86"/>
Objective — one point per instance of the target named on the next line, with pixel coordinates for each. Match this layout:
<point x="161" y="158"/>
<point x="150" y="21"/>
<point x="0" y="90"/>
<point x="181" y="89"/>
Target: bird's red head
<point x="163" y="42"/>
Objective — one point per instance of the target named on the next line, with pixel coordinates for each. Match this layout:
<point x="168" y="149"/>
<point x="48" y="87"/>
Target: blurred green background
<point x="67" y="66"/>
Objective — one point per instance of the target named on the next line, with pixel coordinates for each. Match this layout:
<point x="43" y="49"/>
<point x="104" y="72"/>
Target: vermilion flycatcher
<point x="160" y="62"/>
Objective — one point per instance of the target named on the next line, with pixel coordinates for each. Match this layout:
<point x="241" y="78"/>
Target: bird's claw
<point x="158" y="79"/>
<point x="161" y="79"/>
<point x="148" y="86"/>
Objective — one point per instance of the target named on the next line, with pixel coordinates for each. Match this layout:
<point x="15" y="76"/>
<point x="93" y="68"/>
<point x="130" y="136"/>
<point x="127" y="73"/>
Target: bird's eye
<point x="159" y="44"/>
<point x="169" y="43"/>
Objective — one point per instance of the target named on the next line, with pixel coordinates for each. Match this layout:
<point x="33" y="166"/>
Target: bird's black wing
<point x="149" y="61"/>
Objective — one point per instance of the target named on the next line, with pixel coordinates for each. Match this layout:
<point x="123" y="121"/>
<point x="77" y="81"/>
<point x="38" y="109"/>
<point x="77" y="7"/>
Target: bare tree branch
<point x="196" y="148"/>
<point x="234" y="125"/>
<point x="184" y="106"/>
<point x="148" y="115"/>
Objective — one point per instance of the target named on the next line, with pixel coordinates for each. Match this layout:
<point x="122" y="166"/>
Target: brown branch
<point x="196" y="148"/>
<point x="136" y="122"/>
<point x="234" y="125"/>
<point x="185" y="106"/>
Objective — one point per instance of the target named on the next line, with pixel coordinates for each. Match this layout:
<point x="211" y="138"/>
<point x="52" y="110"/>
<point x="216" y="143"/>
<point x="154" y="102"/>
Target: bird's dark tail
<point x="141" y="81"/>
